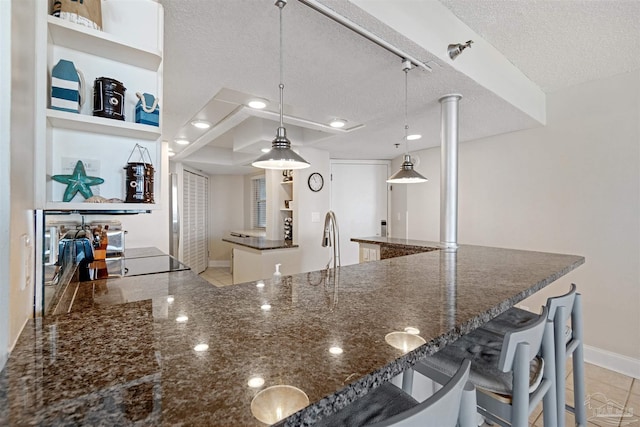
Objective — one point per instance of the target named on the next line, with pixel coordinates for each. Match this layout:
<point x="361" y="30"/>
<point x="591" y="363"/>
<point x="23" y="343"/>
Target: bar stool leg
<point x="561" y="361"/>
<point x="578" y="364"/>
<point x="407" y="381"/>
<point x="549" y="402"/>
<point x="520" y="398"/>
<point x="468" y="407"/>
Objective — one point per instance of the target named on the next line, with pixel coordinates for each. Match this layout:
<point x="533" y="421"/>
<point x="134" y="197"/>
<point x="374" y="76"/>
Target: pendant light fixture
<point x="281" y="156"/>
<point x="406" y="174"/>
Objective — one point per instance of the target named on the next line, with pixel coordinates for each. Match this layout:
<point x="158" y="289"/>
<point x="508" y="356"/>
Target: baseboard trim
<point x="5" y="357"/>
<point x="219" y="263"/>
<point x="613" y="361"/>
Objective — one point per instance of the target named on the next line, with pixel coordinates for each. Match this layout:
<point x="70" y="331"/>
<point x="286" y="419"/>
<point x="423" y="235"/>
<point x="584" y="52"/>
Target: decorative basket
<point x="85" y="12"/>
<point x="147" y="109"/>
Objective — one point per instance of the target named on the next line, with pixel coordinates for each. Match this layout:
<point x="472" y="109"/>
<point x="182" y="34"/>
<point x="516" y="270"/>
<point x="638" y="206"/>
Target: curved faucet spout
<point x="331" y="237"/>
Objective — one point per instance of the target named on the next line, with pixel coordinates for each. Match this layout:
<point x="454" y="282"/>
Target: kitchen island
<point x="254" y="258"/>
<point x="377" y="248"/>
<point x="201" y="354"/>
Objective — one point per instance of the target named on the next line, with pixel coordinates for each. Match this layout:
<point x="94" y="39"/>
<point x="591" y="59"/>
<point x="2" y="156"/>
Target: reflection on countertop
<point x="115" y="287"/>
<point x="193" y="354"/>
<point x="248" y="233"/>
<point x="260" y="243"/>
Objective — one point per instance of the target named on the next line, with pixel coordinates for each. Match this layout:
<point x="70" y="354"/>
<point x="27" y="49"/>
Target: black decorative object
<point x="139" y="177"/>
<point x="288" y="228"/>
<point x="108" y="98"/>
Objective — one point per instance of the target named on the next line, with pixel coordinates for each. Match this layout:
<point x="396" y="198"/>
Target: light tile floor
<point x="609" y="394"/>
<point x="218" y="276"/>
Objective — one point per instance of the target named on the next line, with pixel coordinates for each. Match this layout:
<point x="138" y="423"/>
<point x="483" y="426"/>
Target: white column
<point x="449" y="170"/>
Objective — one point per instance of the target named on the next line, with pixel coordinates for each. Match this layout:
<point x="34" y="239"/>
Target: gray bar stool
<point x="512" y="372"/>
<point x="387" y="405"/>
<point x="568" y="342"/>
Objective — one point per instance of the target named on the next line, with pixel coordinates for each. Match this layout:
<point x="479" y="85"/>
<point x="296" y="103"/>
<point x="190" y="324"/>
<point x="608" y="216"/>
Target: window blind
<point x="259" y="201"/>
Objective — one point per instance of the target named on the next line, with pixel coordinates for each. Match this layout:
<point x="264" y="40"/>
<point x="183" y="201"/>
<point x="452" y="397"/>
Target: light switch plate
<point x="315" y="216"/>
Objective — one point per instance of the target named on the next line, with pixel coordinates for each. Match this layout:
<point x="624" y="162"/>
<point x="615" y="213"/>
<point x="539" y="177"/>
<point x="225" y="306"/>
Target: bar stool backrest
<point x="531" y="335"/>
<point x="565" y="300"/>
<point x="439" y="410"/>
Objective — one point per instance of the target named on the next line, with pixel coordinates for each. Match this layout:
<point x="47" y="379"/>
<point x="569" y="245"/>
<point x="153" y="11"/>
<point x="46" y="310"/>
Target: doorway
<point x="359" y="200"/>
<point x="194" y="230"/>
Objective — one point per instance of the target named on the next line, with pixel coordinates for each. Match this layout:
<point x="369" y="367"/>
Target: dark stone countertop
<point x="259" y="243"/>
<point x="135" y="363"/>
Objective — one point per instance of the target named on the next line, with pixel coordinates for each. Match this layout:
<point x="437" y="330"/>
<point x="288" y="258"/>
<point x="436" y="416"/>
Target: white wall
<point x="226" y="213"/>
<point x="22" y="137"/>
<point x="314" y="256"/>
<point x="359" y="216"/>
<point x="573" y="187"/>
<point x="5" y="175"/>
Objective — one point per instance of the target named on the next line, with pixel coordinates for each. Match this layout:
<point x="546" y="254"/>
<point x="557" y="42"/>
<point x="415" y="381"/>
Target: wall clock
<point x="316" y="182"/>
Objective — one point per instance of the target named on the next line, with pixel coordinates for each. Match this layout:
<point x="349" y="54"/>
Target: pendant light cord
<point x="281" y="6"/>
<point x="406" y="109"/>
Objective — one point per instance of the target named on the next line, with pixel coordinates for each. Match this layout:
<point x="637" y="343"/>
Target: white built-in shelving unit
<point x="103" y="144"/>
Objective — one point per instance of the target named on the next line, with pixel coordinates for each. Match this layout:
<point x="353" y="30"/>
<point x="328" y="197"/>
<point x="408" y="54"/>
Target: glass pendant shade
<point x="406" y="174"/>
<point x="281" y="156"/>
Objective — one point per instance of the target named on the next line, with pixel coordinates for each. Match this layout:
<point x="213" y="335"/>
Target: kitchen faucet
<point x="331" y="237"/>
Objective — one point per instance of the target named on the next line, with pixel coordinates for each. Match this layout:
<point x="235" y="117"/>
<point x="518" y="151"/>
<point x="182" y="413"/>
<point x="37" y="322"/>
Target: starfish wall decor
<point x="78" y="181"/>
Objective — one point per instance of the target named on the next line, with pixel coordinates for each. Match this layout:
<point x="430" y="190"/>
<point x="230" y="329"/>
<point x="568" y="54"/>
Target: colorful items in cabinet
<point x="83" y="12"/>
<point x="147" y="109"/>
<point x="108" y="98"/>
<point x="78" y="181"/>
<point x="67" y="84"/>
<point x="288" y="228"/>
<point x="139" y="177"/>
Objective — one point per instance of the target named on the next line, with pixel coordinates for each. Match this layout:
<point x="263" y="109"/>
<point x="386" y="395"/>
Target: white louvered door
<point x="194" y="236"/>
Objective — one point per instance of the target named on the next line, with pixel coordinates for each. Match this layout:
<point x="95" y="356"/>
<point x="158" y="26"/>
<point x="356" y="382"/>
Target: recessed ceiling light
<point x="338" y="123"/>
<point x="266" y="150"/>
<point x="201" y="124"/>
<point x="182" y="141"/>
<point x="413" y="137"/>
<point x="181" y="319"/>
<point x="171" y="153"/>
<point x="258" y="104"/>
<point x="266" y="307"/>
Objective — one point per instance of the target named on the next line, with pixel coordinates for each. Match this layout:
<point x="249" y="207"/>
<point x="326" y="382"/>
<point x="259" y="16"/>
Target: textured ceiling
<point x="329" y="71"/>
<point x="558" y="43"/>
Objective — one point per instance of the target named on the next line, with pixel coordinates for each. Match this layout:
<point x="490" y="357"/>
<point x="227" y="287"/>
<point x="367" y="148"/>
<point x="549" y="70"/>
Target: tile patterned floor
<point x="217" y="276"/>
<point x="609" y="396"/>
<point x="605" y="389"/>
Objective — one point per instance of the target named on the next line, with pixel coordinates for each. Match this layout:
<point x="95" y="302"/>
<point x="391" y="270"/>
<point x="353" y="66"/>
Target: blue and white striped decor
<point x="65" y="87"/>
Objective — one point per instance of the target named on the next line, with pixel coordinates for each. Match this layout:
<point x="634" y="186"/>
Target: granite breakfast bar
<point x="136" y="363"/>
<point x="254" y="258"/>
<point x="377" y="248"/>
